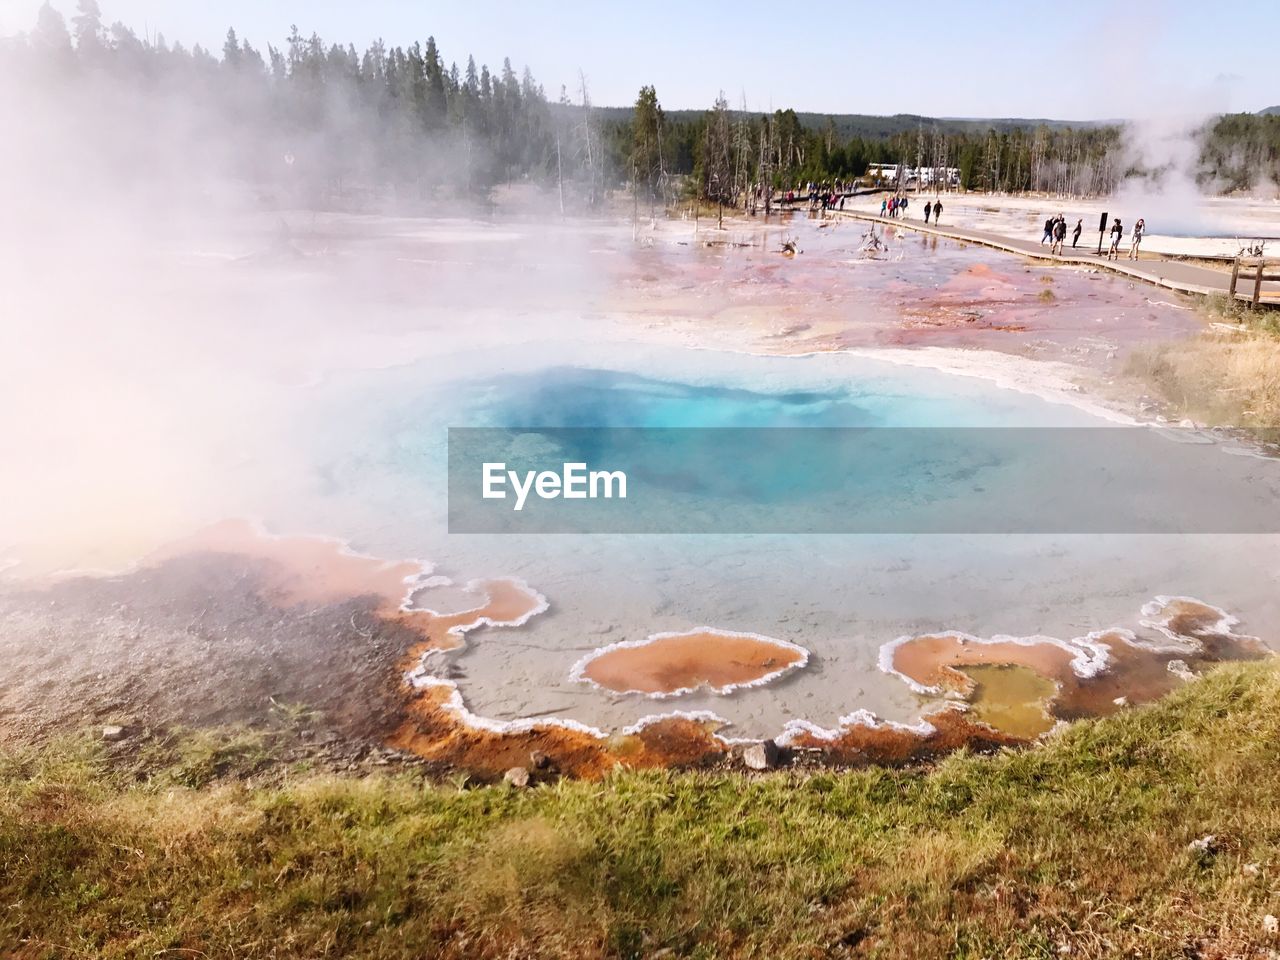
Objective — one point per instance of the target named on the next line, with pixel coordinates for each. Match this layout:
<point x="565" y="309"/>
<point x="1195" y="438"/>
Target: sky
<point x="1074" y="60"/>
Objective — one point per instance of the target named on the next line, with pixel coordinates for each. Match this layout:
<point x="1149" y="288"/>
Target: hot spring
<point x="841" y="598"/>
<point x="329" y="417"/>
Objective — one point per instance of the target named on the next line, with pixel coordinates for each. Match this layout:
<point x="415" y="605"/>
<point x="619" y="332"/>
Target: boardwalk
<point x="1173" y="274"/>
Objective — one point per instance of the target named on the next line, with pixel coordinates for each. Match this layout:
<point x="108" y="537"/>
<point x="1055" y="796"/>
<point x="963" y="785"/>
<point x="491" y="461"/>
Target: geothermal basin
<point x="325" y="482"/>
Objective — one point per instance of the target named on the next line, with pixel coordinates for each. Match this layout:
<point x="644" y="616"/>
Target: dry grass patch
<point x="1224" y="379"/>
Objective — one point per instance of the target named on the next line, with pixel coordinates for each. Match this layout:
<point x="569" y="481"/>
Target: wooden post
<point x="1235" y="275"/>
<point x="1257" y="286"/>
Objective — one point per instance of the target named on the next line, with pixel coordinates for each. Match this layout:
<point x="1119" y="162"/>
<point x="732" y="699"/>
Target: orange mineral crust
<point x="312" y="571"/>
<point x="507" y="603"/>
<point x="1087" y="676"/>
<point x="438" y="727"/>
<point x="306" y="570"/>
<point x="934" y="662"/>
<point x="862" y="739"/>
<point x="1093" y="675"/>
<point x="671" y="664"/>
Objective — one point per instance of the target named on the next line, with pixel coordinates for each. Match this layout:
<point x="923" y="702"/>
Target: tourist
<point x="1075" y="234"/>
<point x="1136" y="238"/>
<point x="1059" y="235"/>
<point x="937" y="212"/>
<point x="904" y="206"/>
<point x="1048" y="231"/>
<point x="928" y="209"/>
<point x="884" y="207"/>
<point x="1117" y="232"/>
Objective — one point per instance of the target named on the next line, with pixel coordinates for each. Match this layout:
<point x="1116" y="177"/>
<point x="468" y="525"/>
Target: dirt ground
<point x="192" y="642"/>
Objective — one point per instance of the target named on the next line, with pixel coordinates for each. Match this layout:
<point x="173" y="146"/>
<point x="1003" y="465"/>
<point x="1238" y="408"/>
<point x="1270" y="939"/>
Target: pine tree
<point x="647" y="127"/>
<point x="51" y="34"/>
<point x="717" y="177"/>
<point x="279" y="68"/>
<point x="231" y="54"/>
<point x="251" y="60"/>
<point x="87" y="25"/>
<point x="436" y="104"/>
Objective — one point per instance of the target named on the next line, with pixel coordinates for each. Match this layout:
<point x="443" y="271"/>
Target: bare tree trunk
<point x="559" y="174"/>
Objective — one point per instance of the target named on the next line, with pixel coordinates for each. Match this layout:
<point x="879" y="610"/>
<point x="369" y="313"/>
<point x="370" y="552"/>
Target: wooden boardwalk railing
<point x="1169" y="272"/>
<point x="1259" y="269"/>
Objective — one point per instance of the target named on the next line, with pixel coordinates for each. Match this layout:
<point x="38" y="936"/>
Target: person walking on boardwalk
<point x="937" y="212"/>
<point x="1075" y="234"/>
<point x="884" y="207"/>
<point x="928" y="209"/>
<point x="1135" y="239"/>
<point x="902" y="205"/>
<point x="1059" y="234"/>
<point x="1048" y="231"/>
<point x="1117" y="232"/>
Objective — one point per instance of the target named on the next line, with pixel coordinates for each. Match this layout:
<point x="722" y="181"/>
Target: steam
<point x="1164" y="151"/>
<point x="173" y="309"/>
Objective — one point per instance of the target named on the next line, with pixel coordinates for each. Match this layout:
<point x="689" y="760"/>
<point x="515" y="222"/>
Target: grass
<point x="1078" y="848"/>
<point x="1221" y="378"/>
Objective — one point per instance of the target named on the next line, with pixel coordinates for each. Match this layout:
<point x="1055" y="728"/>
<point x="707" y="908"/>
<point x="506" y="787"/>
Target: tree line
<point x="338" y="125"/>
<point x="328" y="121"/>
<point x="726" y="153"/>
